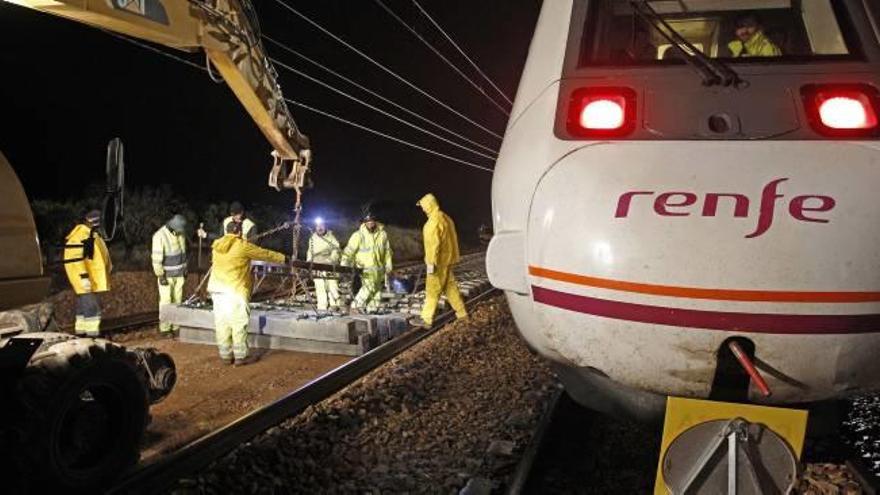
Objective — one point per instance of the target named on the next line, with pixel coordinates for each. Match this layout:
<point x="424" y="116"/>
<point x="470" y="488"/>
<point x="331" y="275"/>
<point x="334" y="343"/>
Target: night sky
<point x="67" y="89"/>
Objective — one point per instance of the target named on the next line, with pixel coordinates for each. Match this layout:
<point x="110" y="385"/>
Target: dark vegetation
<point x="147" y="208"/>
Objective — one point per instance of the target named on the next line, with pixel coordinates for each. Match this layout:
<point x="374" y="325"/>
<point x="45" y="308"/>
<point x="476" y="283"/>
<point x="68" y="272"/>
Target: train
<point x="668" y="185"/>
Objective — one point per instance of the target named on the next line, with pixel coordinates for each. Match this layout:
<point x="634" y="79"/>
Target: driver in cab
<point x="750" y="39"/>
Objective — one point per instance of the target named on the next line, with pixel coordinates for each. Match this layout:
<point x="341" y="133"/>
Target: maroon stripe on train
<point x="712" y="320"/>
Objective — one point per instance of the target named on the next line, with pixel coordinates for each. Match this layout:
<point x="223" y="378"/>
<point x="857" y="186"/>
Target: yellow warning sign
<point x="682" y="414"/>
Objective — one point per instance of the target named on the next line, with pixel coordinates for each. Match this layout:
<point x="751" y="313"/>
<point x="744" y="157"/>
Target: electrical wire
<point x="154" y="49"/>
<point x="387" y="70"/>
<point x="312" y="109"/>
<point x="286" y="48"/>
<point x="462" y="52"/>
<point x="376" y="109"/>
<point x="387" y="136"/>
<point x="442" y="57"/>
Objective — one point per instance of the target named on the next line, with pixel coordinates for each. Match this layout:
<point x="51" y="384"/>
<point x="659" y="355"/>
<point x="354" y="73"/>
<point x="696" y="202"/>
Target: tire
<point x="84" y="408"/>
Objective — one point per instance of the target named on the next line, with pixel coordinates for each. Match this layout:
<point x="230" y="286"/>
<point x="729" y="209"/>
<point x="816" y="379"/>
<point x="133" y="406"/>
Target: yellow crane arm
<point x="228" y="32"/>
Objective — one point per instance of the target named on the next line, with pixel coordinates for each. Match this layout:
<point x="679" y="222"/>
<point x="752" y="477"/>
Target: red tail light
<point x="602" y="112"/>
<point x="842" y="110"/>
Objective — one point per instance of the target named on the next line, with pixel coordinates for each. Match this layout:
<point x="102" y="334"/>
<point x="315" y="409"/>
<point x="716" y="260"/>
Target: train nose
<point x="641" y="258"/>
<point x="739" y="216"/>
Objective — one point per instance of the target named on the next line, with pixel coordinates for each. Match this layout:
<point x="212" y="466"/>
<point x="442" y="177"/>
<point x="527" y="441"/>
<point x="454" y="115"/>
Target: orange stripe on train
<point x="700" y="293"/>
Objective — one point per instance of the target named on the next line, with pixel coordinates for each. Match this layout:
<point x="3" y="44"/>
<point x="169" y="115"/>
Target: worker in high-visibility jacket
<point x="170" y="264"/>
<point x="324" y="248"/>
<point x="368" y="249"/>
<point x="441" y="255"/>
<point x="230" y="289"/>
<point x="236" y="214"/>
<point x="751" y="41"/>
<point x="88" y="266"/>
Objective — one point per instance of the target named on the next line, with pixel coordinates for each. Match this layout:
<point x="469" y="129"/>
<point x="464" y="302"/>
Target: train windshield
<point x="767" y="31"/>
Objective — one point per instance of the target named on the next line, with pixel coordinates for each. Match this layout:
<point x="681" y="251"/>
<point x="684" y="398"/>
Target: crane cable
<point x="387" y="70"/>
<point x="377" y="109"/>
<point x="369" y="91"/>
<point x="387" y="136"/>
<point x="442" y="57"/>
<point x="462" y="52"/>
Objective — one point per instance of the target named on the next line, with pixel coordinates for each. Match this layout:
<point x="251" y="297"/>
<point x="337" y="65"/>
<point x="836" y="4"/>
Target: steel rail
<point x="524" y="468"/>
<point x="164" y="472"/>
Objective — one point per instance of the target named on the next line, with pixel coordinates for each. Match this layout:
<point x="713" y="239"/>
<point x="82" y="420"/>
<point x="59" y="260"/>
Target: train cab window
<point x="766" y="31"/>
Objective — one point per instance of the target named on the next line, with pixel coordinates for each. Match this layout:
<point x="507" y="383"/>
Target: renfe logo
<point x="679" y="204"/>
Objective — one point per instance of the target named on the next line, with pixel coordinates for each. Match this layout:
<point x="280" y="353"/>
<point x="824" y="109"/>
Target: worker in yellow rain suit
<point x="751" y="40"/>
<point x="441" y="255"/>
<point x="324" y="248"/>
<point x="169" y="264"/>
<point x="368" y="249"/>
<point x="88" y="266"/>
<point x="230" y="288"/>
<point x="236" y="214"/>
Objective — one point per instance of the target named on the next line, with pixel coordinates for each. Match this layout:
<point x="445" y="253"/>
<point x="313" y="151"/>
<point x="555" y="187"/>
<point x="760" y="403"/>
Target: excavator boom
<point x="229" y="33"/>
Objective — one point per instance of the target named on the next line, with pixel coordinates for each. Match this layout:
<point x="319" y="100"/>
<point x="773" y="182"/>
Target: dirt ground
<point x="209" y="394"/>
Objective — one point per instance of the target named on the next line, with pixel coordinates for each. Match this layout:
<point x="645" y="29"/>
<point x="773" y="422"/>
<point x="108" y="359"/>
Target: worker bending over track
<point x="368" y="249"/>
<point x="230" y="288"/>
<point x="324" y="248"/>
<point x="441" y="255"/>
<point x="169" y="264"/>
<point x="88" y="266"/>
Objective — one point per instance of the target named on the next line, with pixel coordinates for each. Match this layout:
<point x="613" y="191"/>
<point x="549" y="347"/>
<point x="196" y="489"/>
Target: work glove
<point x="86" y="284"/>
<point x="429" y="269"/>
<point x="201" y="233"/>
<point x="163" y="280"/>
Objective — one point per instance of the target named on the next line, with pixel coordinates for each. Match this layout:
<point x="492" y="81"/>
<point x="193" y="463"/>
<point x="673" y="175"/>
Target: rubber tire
<point x="53" y="383"/>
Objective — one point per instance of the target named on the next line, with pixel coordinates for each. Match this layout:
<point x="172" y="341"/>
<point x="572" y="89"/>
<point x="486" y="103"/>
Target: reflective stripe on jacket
<point x="323" y="249"/>
<point x="248" y="227"/>
<point x="231" y="271"/>
<point x="168" y="253"/>
<point x="439" y="235"/>
<point x="369" y="251"/>
<point x="759" y="45"/>
<point x="96" y="270"/>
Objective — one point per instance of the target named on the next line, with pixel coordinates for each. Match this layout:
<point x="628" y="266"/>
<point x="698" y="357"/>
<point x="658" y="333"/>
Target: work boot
<point x="227" y="361"/>
<point x="419" y="322"/>
<point x="245" y="361"/>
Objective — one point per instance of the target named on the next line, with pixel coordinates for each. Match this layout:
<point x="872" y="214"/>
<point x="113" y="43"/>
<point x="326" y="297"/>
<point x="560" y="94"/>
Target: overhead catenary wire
<point x="387" y="136"/>
<point x="387" y="70"/>
<point x="377" y="109"/>
<point x="442" y="57"/>
<point x="375" y="94"/>
<point x="461" y="51"/>
<point x="315" y="110"/>
<point x="154" y="49"/>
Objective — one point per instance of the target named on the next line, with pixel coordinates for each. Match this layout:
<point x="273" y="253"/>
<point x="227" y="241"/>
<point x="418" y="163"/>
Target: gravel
<point x="458" y="408"/>
<point x="861" y="430"/>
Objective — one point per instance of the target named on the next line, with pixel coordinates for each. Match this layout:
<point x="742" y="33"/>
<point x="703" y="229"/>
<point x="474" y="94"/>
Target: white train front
<point x="648" y="207"/>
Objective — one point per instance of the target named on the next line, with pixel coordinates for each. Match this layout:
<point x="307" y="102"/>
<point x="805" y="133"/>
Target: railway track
<point x="127" y="322"/>
<point x="159" y="475"/>
<point x="137" y="320"/>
